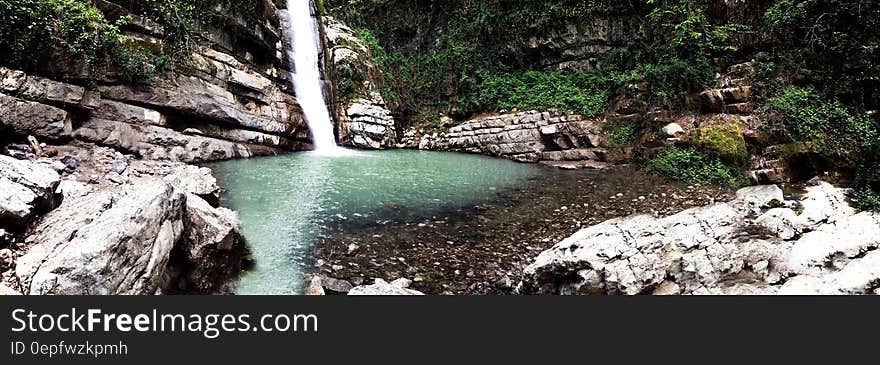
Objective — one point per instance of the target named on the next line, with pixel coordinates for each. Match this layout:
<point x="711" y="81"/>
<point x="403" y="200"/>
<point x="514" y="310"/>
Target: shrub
<point x="584" y="93"/>
<point x="691" y="166"/>
<point x="33" y="30"/>
<point x="829" y="125"/>
<point x="623" y="134"/>
<point x="864" y="198"/>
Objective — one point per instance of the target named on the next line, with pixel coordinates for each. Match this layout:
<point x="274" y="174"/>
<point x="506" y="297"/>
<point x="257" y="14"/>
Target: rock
<point x="7" y="260"/>
<point x="196" y="180"/>
<point x="105" y="243"/>
<point x="119" y="166"/>
<point x="26" y="189"/>
<point x="70" y="189"/>
<point x="783" y="222"/>
<point x="115" y="178"/>
<point x="32" y="118"/>
<point x="353" y="249"/>
<point x="525" y="137"/>
<point x="158" y="143"/>
<point x="315" y="287"/>
<point x="761" y="195"/>
<point x="335" y="286"/>
<point x="5" y="290"/>
<point x="381" y="287"/>
<point x="213" y="248"/>
<point x="70" y="163"/>
<point x="5" y="237"/>
<point x="364" y="119"/>
<point x="673" y="130"/>
<point x="716" y="250"/>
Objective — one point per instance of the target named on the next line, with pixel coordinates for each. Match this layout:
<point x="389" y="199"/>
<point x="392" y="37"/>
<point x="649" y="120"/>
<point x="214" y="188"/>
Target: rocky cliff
<point x="230" y="99"/>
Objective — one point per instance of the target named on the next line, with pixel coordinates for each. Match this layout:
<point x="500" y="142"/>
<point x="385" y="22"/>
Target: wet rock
<point x="382" y="287"/>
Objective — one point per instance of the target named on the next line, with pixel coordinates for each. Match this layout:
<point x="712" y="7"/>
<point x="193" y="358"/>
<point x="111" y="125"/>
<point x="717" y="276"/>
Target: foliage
<point x="622" y="134"/>
<point x="835" y="131"/>
<point x="866" y="199"/>
<point x="31" y="30"/>
<point x="830" y="126"/>
<point x="832" y="44"/>
<point x="584" y="93"/>
<point x="36" y="33"/>
<point x="692" y="166"/>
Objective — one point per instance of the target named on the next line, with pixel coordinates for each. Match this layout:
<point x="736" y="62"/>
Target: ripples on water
<point x="284" y="201"/>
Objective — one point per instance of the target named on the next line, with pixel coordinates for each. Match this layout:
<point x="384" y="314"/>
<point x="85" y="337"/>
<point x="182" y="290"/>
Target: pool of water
<point x="284" y="202"/>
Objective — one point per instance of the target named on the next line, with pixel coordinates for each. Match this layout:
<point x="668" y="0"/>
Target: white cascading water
<point x="302" y="34"/>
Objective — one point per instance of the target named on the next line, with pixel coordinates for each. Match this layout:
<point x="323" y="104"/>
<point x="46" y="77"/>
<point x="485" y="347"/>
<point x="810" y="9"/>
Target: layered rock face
<point x="814" y="245"/>
<point x="563" y="140"/>
<point x="574" y="44"/>
<point x="364" y="121"/>
<point x="231" y="100"/>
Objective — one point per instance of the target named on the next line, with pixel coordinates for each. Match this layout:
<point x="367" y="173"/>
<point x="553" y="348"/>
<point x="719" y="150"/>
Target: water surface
<point x="284" y="202"/>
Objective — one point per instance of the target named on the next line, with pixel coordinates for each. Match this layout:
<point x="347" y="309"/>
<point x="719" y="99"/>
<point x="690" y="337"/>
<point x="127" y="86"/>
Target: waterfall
<point x="303" y="36"/>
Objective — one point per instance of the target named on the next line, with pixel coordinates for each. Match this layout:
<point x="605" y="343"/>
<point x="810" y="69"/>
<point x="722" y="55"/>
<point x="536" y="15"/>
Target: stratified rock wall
<point x="232" y="99"/>
<point x="533" y="136"/>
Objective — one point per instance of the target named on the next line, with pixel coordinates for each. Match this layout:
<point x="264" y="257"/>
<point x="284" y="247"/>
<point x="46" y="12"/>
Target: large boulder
<point x="109" y="242"/>
<point x="725" y="248"/>
<point x="26" y="189"/>
<point x="196" y="180"/>
<point x="212" y="251"/>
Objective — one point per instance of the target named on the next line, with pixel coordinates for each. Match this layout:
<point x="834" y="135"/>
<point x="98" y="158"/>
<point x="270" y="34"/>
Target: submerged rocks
<point x="381" y="287"/>
<point x="720" y="249"/>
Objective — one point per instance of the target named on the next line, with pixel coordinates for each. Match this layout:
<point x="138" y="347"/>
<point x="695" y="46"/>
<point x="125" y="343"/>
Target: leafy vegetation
<point x="692" y="166"/>
<point x="35" y="34"/>
<point x="584" y="93"/>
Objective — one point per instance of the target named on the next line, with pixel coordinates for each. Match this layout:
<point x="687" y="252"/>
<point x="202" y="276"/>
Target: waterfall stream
<point x="304" y="39"/>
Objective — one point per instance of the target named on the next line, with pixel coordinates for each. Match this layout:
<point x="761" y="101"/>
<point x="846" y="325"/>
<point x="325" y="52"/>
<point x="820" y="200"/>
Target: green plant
<point x="584" y="93"/>
<point x="622" y="134"/>
<point x="692" y="166"/>
<point x="829" y="125"/>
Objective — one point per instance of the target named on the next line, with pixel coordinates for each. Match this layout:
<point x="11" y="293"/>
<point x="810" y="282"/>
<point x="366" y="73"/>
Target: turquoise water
<point x="284" y="201"/>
